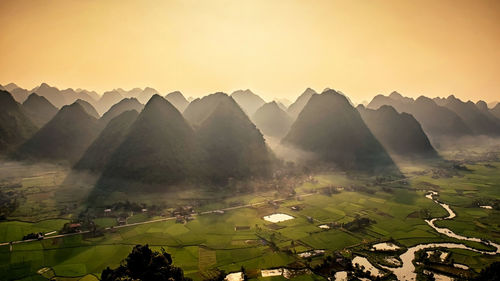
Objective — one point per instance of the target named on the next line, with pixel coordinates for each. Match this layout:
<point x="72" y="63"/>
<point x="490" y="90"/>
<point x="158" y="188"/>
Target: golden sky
<point x="276" y="48"/>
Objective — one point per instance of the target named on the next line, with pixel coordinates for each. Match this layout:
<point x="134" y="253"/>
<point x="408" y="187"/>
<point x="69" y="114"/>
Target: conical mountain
<point x="64" y="138"/>
<point x="125" y="104"/>
<point x="159" y="147"/>
<point x="103" y="147"/>
<point x="10" y="87"/>
<point x="233" y="147"/>
<point x="281" y="106"/>
<point x="473" y="117"/>
<point x="178" y="100"/>
<point x="199" y="109"/>
<point x="19" y="94"/>
<point x="272" y="120"/>
<point x="295" y="108"/>
<point x="39" y="109"/>
<point x="107" y="100"/>
<point x="88" y="108"/>
<point x="333" y="130"/>
<point x="483" y="108"/>
<point x="399" y="133"/>
<point x="15" y="126"/>
<point x="437" y="121"/>
<point x="248" y="101"/>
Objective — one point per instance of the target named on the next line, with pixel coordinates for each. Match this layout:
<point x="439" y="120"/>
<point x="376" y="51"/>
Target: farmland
<point x="212" y="240"/>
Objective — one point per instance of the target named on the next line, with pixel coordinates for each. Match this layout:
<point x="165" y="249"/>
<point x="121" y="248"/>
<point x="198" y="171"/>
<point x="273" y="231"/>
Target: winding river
<point x="406" y="271"/>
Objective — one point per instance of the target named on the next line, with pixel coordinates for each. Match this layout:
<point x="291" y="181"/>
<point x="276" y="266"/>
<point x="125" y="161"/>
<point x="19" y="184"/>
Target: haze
<point x="275" y="48"/>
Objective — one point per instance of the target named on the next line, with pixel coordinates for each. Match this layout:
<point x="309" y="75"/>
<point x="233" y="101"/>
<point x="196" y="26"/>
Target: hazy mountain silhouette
<point x="146" y="94"/>
<point x="52" y="94"/>
<point x="437" y="121"/>
<point x="65" y="137"/>
<point x="199" y="109"/>
<point x="107" y="100"/>
<point x="475" y="119"/>
<point x="248" y="101"/>
<point x="39" y="109"/>
<point x="496" y="110"/>
<point x="483" y="107"/>
<point x="178" y="100"/>
<point x="233" y="147"/>
<point x="19" y="94"/>
<point x="159" y="148"/>
<point x="399" y="133"/>
<point x="110" y="138"/>
<point x="10" y="87"/>
<point x="125" y="104"/>
<point x="15" y="126"/>
<point x="284" y="101"/>
<point x="282" y="106"/>
<point x="295" y="108"/>
<point x="272" y="120"/>
<point x="88" y="108"/>
<point x="334" y="130"/>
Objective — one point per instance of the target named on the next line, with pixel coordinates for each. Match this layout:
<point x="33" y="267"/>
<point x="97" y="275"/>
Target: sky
<point x="275" y="48"/>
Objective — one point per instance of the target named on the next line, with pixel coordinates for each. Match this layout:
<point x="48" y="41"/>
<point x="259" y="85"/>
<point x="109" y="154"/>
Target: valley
<point x="229" y="232"/>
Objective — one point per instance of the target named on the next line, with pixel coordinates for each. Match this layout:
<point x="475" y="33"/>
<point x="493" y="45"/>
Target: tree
<point x="143" y="264"/>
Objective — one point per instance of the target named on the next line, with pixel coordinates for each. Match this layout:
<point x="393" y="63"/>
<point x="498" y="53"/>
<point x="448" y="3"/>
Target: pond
<point x="278" y="217"/>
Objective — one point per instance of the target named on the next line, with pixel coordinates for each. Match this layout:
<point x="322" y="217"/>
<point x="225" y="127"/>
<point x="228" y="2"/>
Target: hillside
<point x="158" y="149"/>
<point x="64" y="138"/>
<point x="399" y="133"/>
<point x="100" y="151"/>
<point x="232" y="145"/>
<point x="88" y="108"/>
<point x="39" y="109"/>
<point x="15" y="126"/>
<point x="334" y="131"/>
<point x="271" y="120"/>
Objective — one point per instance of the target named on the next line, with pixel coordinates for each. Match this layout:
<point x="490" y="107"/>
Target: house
<point x="121" y="220"/>
<point x="144" y="210"/>
<point x="242" y="227"/>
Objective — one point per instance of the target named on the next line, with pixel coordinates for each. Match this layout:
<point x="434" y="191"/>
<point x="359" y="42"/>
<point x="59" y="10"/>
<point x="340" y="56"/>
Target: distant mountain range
<point x="214" y="139"/>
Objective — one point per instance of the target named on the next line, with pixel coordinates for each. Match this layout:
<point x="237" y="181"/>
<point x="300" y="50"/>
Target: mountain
<point x="52" y="94"/>
<point x="492" y="104"/>
<point x="199" y="109"/>
<point x="399" y="133"/>
<point x="286" y="102"/>
<point x="248" y="101"/>
<point x="159" y="148"/>
<point x="92" y="94"/>
<point x="272" y="120"/>
<point x="233" y="147"/>
<point x="10" y="87"/>
<point x="145" y="95"/>
<point x="19" y="94"/>
<point x="334" y="131"/>
<point x="178" y="100"/>
<point x="88" y="108"/>
<point x="70" y="96"/>
<point x="281" y="106"/>
<point x="496" y="110"/>
<point x="295" y="108"/>
<point x="103" y="147"/>
<point x="125" y="104"/>
<point x="437" y="121"/>
<point x="473" y="117"/>
<point x="39" y="109"/>
<point x="483" y="108"/>
<point x="64" y="138"/>
<point x="107" y="100"/>
<point x="15" y="126"/>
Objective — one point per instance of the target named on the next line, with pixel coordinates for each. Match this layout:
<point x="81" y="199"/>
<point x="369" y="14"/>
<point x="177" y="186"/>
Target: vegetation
<point x="144" y="264"/>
